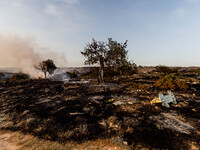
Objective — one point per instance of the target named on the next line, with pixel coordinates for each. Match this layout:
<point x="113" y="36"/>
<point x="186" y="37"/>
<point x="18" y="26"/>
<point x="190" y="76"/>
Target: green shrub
<point x="171" y="82"/>
<point x="19" y="76"/>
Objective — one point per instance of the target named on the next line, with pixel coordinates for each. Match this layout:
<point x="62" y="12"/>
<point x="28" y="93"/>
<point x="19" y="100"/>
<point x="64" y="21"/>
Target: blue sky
<point x="159" y="32"/>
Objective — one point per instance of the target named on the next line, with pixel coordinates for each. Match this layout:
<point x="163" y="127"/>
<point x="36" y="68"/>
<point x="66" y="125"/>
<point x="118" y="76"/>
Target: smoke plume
<point x="21" y="53"/>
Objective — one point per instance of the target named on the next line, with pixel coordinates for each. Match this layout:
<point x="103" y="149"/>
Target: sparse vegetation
<point x="191" y="80"/>
<point x="138" y="86"/>
<point x="167" y="70"/>
<point x="194" y="70"/>
<point x="19" y="76"/>
<point x="163" y="69"/>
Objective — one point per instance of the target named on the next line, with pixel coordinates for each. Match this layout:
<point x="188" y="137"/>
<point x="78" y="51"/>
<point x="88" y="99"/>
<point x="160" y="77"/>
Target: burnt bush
<point x="93" y="73"/>
<point x="167" y="70"/>
<point x="109" y="72"/>
<point x="176" y="70"/>
<point x="128" y="69"/>
<point x="163" y="69"/>
<point x="19" y="76"/>
<point x="171" y="82"/>
<point x="73" y="74"/>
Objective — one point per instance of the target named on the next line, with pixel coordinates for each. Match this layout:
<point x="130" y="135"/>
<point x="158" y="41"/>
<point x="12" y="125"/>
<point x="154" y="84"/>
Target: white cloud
<point x="52" y="10"/>
<point x="181" y="12"/>
<point x="68" y="1"/>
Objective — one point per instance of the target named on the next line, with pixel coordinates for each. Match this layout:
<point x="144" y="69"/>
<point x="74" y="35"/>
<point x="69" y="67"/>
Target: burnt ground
<point x="61" y="112"/>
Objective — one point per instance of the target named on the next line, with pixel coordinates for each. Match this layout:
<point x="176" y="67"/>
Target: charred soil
<point x="62" y="112"/>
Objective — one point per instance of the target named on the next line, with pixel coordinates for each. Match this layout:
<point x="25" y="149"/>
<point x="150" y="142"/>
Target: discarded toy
<point x="165" y="100"/>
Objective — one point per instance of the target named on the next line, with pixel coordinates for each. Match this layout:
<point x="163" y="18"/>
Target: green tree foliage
<point x="117" y="59"/>
<point x="46" y="66"/>
<point x="117" y="54"/>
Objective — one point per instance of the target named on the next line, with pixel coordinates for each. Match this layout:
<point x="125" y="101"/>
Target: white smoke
<point x="23" y="53"/>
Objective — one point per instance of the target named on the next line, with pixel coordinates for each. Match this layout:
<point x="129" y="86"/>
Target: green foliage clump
<point x="171" y="82"/>
<point x="19" y="76"/>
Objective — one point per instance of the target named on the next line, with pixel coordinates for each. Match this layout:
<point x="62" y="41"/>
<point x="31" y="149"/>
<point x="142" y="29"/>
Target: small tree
<point x="46" y="66"/>
<point x="111" y="54"/>
<point x="95" y="53"/>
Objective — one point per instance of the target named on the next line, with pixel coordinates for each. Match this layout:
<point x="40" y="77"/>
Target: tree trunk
<point x="101" y="75"/>
<point x="101" y="69"/>
<point x="45" y="75"/>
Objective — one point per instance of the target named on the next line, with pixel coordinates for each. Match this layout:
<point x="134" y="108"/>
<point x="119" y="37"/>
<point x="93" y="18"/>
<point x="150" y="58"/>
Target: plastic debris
<point x="165" y="100"/>
<point x="111" y="100"/>
<point x="194" y="110"/>
<point x="155" y="100"/>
